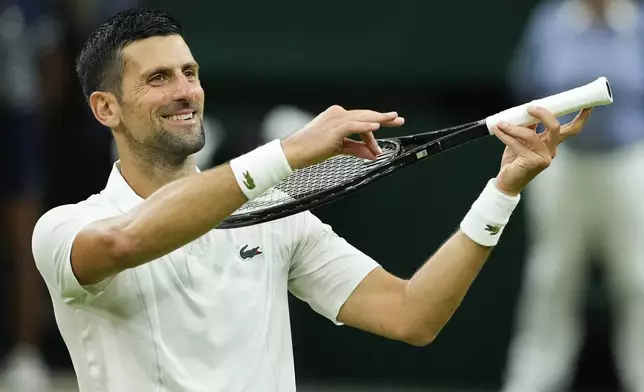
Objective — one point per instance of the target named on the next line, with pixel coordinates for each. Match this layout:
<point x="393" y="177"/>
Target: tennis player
<point x="149" y="297"/>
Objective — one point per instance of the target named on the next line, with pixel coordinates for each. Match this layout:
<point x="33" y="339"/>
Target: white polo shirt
<point x="207" y="317"/>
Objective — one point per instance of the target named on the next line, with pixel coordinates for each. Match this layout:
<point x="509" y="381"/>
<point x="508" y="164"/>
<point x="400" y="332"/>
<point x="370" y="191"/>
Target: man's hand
<point x="527" y="153"/>
<point x="327" y="135"/>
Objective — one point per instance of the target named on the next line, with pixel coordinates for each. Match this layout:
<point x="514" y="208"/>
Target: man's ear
<point x="105" y="108"/>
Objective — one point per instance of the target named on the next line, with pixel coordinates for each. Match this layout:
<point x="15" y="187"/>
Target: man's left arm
<point x="415" y="310"/>
<point x="348" y="287"/>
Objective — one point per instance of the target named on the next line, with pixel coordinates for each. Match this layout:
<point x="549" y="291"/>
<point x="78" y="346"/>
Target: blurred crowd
<point x="43" y="116"/>
<point x="584" y="209"/>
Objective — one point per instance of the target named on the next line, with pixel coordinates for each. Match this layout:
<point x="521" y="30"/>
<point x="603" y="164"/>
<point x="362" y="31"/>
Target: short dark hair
<point x="99" y="65"/>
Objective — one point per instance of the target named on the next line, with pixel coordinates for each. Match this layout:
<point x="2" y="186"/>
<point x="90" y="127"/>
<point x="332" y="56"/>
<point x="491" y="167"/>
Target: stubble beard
<point x="164" y="148"/>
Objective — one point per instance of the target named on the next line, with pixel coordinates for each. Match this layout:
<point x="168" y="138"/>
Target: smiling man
<point x="148" y="296"/>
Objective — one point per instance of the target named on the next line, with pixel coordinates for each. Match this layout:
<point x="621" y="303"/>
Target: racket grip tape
<point x="260" y="169"/>
<point x="596" y="93"/>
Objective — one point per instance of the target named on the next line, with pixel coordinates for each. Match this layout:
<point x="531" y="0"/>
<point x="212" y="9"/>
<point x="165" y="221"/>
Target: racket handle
<point x="596" y="93"/>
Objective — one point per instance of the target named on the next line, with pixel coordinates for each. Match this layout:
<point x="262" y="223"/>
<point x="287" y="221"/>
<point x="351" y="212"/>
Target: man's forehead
<point x="157" y="52"/>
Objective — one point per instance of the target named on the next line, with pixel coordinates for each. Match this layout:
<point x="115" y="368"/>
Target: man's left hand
<point x="527" y="153"/>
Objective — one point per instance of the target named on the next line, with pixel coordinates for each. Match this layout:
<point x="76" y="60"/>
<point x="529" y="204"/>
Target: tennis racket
<point x="341" y="175"/>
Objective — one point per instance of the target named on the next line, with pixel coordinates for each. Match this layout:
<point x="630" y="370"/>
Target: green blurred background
<point x="438" y="63"/>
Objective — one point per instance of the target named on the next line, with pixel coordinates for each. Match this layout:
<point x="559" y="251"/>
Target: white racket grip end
<point x="596" y="93"/>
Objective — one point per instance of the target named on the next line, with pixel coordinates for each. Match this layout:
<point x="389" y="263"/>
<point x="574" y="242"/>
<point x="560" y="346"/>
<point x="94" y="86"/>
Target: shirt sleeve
<point x="52" y="242"/>
<point x="325" y="268"/>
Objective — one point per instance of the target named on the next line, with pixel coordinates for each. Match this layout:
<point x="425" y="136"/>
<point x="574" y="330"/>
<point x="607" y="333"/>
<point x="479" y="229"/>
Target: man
<point x="148" y="296"/>
<point x="588" y="208"/>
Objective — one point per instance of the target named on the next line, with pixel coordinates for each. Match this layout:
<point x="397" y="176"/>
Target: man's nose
<point x="185" y="89"/>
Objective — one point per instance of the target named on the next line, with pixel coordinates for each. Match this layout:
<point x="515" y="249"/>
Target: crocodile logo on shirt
<point x="250" y="253"/>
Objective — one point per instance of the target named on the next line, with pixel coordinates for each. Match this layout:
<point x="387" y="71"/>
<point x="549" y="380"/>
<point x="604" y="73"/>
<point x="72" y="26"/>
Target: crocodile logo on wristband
<point x="493" y="229"/>
<point x="248" y="180"/>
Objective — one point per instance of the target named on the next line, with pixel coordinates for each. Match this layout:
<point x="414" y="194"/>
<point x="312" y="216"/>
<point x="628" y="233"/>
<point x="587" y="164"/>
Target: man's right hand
<point x="327" y="135"/>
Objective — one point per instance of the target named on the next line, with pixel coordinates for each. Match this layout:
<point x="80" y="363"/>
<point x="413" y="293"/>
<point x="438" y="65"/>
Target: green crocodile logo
<point x="493" y="229"/>
<point x="248" y="180"/>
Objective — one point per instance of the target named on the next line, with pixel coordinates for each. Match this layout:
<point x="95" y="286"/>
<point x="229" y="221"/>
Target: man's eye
<point x="157" y="78"/>
<point x="190" y="73"/>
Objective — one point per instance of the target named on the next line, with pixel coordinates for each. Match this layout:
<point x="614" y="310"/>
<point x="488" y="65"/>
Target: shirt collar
<point x="120" y="192"/>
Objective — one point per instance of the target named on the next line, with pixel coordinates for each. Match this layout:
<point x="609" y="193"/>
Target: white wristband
<point x="260" y="169"/>
<point x="485" y="221"/>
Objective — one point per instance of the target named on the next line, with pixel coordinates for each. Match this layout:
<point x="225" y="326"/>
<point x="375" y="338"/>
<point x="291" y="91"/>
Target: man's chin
<point x="193" y="149"/>
<point x="184" y="148"/>
<point x="192" y="144"/>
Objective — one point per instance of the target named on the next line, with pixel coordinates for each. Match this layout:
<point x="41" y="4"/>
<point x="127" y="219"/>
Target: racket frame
<point x="415" y="148"/>
<point x="411" y="149"/>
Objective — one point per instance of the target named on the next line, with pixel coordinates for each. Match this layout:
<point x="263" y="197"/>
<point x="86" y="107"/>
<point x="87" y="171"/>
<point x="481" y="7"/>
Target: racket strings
<point x="330" y="173"/>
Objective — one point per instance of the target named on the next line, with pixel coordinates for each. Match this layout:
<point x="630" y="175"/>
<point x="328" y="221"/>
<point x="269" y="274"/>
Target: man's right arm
<point x="186" y="209"/>
<point x="170" y="218"/>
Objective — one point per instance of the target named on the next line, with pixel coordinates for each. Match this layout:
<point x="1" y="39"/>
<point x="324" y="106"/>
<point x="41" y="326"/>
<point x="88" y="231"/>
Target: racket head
<point x="336" y="177"/>
<point x="312" y="186"/>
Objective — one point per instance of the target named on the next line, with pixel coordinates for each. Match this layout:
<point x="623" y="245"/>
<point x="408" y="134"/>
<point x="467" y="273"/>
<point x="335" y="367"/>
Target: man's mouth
<point x="180" y="117"/>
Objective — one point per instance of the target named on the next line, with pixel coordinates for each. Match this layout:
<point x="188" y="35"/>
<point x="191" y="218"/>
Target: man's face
<point x="162" y="99"/>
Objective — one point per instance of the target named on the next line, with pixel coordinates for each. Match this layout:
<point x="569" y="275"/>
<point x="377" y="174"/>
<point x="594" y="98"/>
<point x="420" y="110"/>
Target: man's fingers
<point x="397" y="122"/>
<point x="357" y="149"/>
<point x="351" y="127"/>
<point x="575" y="126"/>
<point x="553" y="128"/>
<point x="513" y="142"/>
<point x="551" y="139"/>
<point x="371" y="116"/>
<point x="528" y="139"/>
<point x="547" y="118"/>
<point x="371" y="143"/>
<point x="338" y="113"/>
<point x="526" y="135"/>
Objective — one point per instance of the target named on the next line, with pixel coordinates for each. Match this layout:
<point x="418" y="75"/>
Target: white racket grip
<point x="596" y="93"/>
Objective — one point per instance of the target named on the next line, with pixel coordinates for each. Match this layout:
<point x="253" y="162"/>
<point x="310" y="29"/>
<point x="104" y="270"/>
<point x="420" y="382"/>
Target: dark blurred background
<point x="268" y="66"/>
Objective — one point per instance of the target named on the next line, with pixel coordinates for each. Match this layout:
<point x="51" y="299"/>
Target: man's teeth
<point x="179" y="117"/>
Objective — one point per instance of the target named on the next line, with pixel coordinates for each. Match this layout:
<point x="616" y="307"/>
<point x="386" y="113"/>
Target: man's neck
<point x="146" y="178"/>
